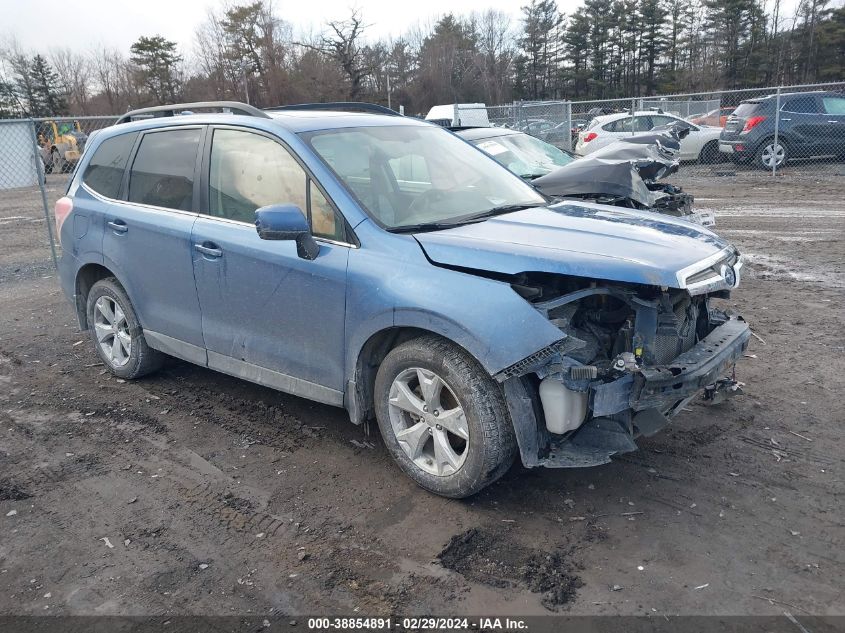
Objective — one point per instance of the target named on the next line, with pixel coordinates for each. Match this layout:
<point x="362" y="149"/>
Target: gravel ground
<point x="190" y="492"/>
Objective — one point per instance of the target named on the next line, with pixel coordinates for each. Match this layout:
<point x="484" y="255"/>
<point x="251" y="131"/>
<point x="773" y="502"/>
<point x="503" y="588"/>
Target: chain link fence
<point x="37" y="157"/>
<point x="785" y="130"/>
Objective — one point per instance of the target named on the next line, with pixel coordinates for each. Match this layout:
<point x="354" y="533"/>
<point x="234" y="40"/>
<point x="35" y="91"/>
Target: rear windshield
<point x="746" y="109"/>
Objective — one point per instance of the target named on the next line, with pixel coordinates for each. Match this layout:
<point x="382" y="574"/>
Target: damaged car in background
<point x="383" y="265"/>
<point x="628" y="173"/>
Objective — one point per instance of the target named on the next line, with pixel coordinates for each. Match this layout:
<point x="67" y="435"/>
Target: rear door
<point x="267" y="314"/>
<point x="147" y="236"/>
<point x="803" y="125"/>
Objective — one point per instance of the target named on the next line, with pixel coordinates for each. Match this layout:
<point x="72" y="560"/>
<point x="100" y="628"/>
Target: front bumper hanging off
<point x="636" y="403"/>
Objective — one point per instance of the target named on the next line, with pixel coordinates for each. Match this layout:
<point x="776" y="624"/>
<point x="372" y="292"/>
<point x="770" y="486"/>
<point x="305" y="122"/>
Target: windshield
<point x="524" y="155"/>
<point x="415" y="175"/>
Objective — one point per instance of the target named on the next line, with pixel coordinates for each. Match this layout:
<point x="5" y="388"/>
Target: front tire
<point x="443" y="418"/>
<point x="116" y="332"/>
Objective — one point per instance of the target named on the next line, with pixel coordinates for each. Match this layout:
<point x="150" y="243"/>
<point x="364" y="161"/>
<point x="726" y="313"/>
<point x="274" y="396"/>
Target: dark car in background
<point x="810" y="124"/>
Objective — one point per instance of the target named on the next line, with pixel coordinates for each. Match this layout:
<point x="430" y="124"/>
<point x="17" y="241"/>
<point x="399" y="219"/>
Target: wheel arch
<point x="782" y="138"/>
<point x="86" y="277"/>
<point x="359" y="392"/>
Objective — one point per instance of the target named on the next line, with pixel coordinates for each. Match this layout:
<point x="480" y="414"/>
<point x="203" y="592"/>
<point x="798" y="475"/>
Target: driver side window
<point x="250" y="171"/>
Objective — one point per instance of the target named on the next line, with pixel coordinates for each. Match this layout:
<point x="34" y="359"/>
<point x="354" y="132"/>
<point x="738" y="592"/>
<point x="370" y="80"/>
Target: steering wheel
<point x="425" y="200"/>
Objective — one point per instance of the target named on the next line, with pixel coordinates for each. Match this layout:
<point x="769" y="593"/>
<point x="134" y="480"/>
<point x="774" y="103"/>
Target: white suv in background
<point x="701" y="144"/>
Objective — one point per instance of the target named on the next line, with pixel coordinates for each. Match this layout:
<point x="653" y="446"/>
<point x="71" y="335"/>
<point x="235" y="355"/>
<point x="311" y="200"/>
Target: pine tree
<point x="46" y="97"/>
<point x="652" y="18"/>
<point x="157" y="64"/>
<point x="540" y="20"/>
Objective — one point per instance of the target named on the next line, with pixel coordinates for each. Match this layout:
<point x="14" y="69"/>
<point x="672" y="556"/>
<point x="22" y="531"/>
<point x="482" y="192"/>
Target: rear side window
<point x="619" y="125"/>
<point x="660" y="120"/>
<point x="802" y="105"/>
<point x="162" y="174"/>
<point x="104" y="172"/>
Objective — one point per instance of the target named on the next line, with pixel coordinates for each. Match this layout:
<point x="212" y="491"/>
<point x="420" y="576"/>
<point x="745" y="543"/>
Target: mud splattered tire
<point x="443" y="418"/>
<point x="116" y="332"/>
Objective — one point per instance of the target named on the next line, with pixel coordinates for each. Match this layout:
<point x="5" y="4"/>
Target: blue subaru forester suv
<point x="384" y="265"/>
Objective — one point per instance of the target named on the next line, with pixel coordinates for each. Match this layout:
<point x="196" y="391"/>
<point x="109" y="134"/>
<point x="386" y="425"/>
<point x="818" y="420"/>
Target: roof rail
<point x="235" y="107"/>
<point x="373" y="108"/>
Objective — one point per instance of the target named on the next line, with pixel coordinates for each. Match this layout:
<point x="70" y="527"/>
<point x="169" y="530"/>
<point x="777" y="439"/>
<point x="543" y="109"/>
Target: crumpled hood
<point x="581" y="239"/>
<point x="588" y="176"/>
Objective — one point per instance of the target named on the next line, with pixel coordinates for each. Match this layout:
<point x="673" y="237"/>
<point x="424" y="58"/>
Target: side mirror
<point x="286" y="222"/>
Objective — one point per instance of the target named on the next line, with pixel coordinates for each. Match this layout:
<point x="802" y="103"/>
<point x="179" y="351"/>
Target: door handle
<point x="211" y="251"/>
<point x="782" y="119"/>
<point x="833" y="121"/>
<point x="118" y="226"/>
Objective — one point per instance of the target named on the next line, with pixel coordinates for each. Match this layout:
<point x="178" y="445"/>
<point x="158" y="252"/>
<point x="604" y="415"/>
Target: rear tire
<point x="117" y="334"/>
<point x="771" y="155"/>
<point x="709" y="154"/>
<point x="428" y="381"/>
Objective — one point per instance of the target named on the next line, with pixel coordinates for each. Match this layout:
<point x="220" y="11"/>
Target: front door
<point x="834" y="118"/>
<point x="267" y="314"/>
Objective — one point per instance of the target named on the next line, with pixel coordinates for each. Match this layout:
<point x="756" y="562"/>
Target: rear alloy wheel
<point x="771" y="155"/>
<point x="112" y="331"/>
<point x="116" y="332"/>
<point x="443" y="418"/>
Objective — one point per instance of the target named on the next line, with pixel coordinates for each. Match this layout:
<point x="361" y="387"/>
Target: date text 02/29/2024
<point x="415" y="624"/>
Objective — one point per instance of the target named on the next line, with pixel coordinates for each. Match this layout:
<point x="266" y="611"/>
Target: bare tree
<point x="74" y="71"/>
<point x="343" y="44"/>
<point x="497" y="49"/>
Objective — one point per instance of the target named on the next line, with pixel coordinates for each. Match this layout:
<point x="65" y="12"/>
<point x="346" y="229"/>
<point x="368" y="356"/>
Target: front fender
<point x="484" y="316"/>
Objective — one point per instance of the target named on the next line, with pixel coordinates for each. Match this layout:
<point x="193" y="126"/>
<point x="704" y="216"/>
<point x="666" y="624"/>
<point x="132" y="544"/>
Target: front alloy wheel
<point x="428" y="421"/>
<point x="443" y="418"/>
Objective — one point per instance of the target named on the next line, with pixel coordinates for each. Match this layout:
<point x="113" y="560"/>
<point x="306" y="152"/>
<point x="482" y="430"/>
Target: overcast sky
<point x="86" y="24"/>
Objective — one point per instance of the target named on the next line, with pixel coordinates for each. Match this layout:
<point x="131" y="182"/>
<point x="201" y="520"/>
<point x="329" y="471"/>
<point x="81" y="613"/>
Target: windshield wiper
<point x="467" y="219"/>
<point x="505" y="208"/>
<point x="424" y="226"/>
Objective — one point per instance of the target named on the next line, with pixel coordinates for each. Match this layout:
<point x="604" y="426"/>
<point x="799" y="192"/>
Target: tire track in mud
<point x="34" y="479"/>
<point x="234" y="516"/>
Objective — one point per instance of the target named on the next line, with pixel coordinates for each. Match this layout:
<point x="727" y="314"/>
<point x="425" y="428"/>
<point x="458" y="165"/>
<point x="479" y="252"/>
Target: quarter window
<point x="162" y="173"/>
<point x="250" y="171"/>
<point x="104" y="173"/>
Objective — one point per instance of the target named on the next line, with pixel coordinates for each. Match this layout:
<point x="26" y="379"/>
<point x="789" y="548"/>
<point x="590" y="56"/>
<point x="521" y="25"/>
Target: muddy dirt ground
<point x="190" y="492"/>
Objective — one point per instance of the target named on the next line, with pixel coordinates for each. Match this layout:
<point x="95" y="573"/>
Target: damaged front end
<point x="630" y="358"/>
<point x="628" y="174"/>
